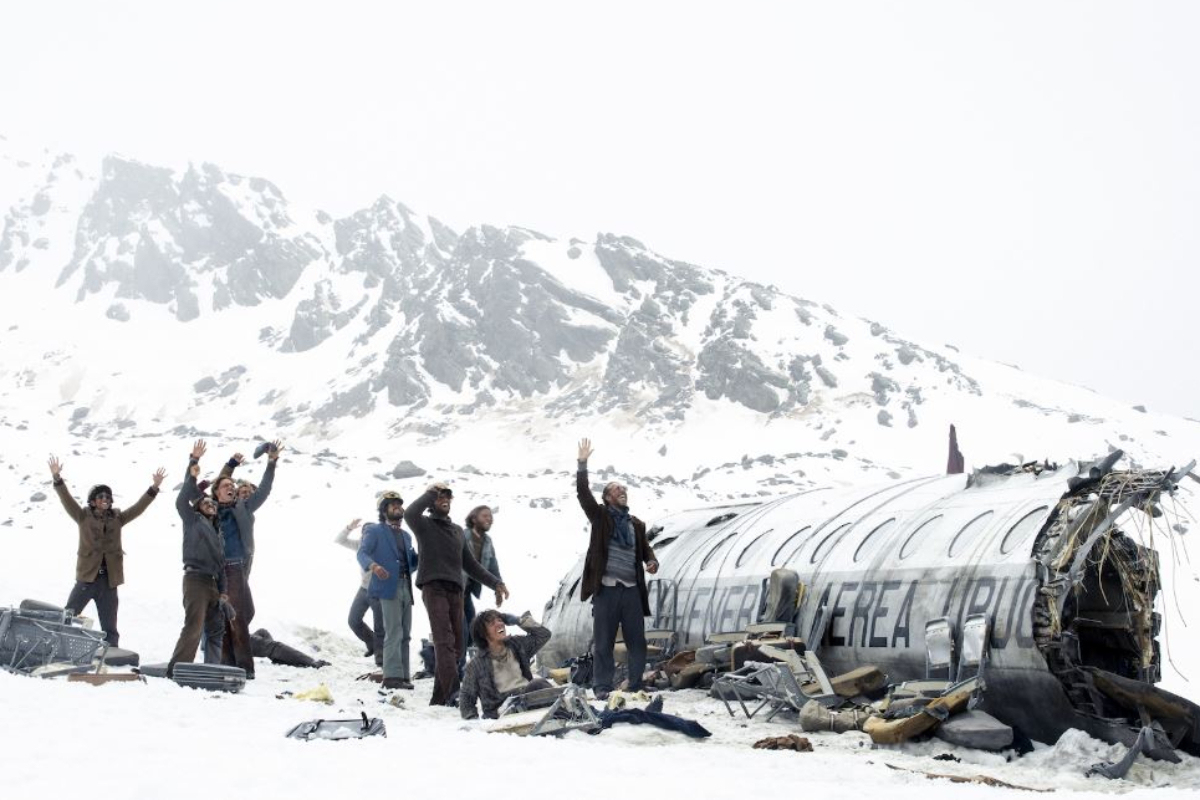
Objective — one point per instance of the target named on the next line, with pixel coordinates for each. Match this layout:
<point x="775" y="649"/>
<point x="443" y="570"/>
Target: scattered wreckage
<point x="43" y="640"/>
<point x="1027" y="592"/>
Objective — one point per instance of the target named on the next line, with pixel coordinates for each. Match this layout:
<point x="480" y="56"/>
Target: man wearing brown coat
<point x="614" y="578"/>
<point x="100" y="563"/>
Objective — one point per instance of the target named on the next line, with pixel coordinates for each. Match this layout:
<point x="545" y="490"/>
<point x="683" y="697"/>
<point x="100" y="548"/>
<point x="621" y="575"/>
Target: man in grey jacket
<point x="444" y="557"/>
<point x="478" y="523"/>
<point x="204" y="595"/>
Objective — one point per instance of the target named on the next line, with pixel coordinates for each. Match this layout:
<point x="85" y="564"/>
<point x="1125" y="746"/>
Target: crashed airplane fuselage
<point x="1047" y="554"/>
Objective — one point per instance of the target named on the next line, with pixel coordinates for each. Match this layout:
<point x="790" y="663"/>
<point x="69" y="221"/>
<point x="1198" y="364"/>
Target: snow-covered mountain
<point x="389" y="324"/>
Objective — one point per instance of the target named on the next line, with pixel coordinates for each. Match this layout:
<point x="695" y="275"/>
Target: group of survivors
<point x="447" y="564"/>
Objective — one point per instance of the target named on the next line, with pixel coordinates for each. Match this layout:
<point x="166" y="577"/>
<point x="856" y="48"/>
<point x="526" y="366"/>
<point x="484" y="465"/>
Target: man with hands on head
<point x="501" y="669"/>
<point x="205" y="603"/>
<point x="100" y="563"/>
<point x="386" y="551"/>
<point x="235" y="517"/>
<point x="613" y="577"/>
<point x="445" y="556"/>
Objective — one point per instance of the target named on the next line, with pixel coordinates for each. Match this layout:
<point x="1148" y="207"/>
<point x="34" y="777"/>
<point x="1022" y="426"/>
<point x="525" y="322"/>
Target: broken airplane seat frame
<point x="46" y="642"/>
<point x="570" y="711"/>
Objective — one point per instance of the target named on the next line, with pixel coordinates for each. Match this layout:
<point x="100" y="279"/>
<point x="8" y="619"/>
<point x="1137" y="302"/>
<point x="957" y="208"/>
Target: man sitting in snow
<point x="501" y="669"/>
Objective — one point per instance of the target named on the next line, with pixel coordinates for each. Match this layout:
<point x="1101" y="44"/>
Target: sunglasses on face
<point x="104" y="497"/>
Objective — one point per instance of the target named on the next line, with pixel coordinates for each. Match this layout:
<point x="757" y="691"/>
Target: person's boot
<point x="394" y="683"/>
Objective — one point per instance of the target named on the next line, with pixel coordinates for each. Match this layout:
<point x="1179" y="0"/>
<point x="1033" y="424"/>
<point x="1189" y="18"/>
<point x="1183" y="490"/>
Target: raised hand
<point x="55" y="467"/>
<point x="353" y="524"/>
<point x="276" y="448"/>
<point x="239" y="458"/>
<point x="585" y="449"/>
<point x="199" y="449"/>
<point x="501" y="594"/>
<point x="159" y="474"/>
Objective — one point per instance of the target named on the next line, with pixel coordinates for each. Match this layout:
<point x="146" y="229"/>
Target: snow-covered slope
<point x="141" y="308"/>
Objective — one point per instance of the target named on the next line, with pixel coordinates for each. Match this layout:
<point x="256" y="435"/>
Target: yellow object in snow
<point x="321" y="694"/>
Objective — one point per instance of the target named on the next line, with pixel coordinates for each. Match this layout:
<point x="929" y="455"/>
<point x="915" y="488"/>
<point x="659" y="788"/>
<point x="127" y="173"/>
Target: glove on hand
<point x="510" y="619"/>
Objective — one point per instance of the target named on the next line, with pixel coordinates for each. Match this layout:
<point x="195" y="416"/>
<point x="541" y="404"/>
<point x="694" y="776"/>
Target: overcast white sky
<point x="1019" y="179"/>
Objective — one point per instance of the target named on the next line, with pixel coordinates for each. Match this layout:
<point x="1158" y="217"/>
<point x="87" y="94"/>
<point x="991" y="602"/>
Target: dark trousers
<point x="468" y="618"/>
<point x="105" y="598"/>
<point x="372" y="637"/>
<point x="236" y="648"/>
<point x="444" y="604"/>
<point x="200" y="602"/>
<point x="614" y="606"/>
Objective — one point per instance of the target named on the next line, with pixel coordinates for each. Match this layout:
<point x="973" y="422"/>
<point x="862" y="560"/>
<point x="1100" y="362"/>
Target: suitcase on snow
<point x="213" y="677"/>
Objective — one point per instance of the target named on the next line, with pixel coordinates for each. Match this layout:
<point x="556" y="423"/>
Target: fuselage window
<point x="791" y="539"/>
<point x="721" y="546"/>
<point x="1025" y="526"/>
<point x="914" y="538"/>
<point x="831" y="538"/>
<point x="969" y="534"/>
<point x="717" y="520"/>
<point x="872" y="540"/>
<point x="754" y="548"/>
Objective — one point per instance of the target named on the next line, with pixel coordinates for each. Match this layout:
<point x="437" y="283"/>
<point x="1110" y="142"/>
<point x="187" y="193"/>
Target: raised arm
<point x="60" y="488"/>
<point x="417" y="509"/>
<point x="189" y="491"/>
<point x="343" y="536"/>
<point x="255" y="501"/>
<point x="582" y="487"/>
<point x="537" y="638"/>
<point x="128" y="515"/>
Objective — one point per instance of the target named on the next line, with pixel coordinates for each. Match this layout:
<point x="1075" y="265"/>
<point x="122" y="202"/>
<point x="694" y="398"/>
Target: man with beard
<point x="204" y="598"/>
<point x="100" y="562"/>
<point x="444" y="558"/>
<point x="478" y="523"/>
<point x="235" y="516"/>
<point x="613" y="577"/>
<point x="387" y="552"/>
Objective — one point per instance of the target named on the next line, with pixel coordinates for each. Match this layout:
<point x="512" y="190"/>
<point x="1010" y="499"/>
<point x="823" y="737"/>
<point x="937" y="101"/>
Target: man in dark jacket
<point x="100" y="563"/>
<point x="387" y="552"/>
<point x="501" y="669"/>
<point x="478" y="523"/>
<point x="204" y="598"/>
<point x="444" y="557"/>
<point x="614" y="578"/>
<point x="235" y="517"/>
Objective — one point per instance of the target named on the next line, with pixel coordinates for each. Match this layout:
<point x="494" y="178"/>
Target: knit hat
<point x="99" y="488"/>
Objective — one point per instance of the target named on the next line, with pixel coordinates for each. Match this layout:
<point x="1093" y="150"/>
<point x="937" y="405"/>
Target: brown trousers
<point x="200" y="601"/>
<point x="444" y="604"/>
